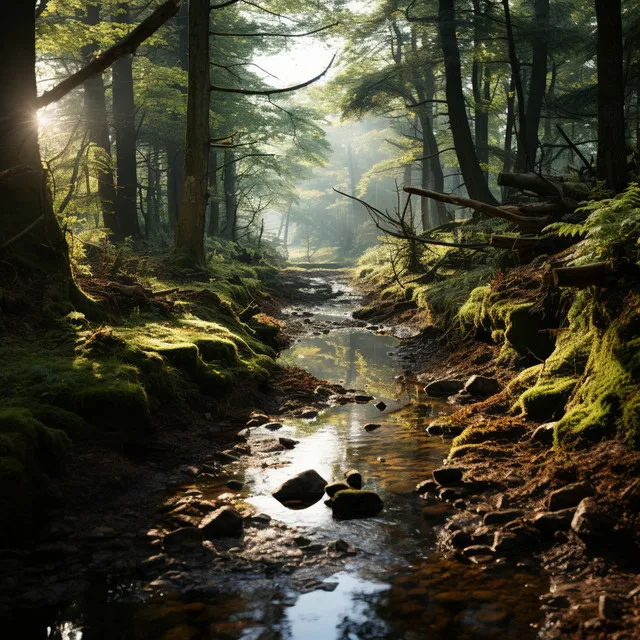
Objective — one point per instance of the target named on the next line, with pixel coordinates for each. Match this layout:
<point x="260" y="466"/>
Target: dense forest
<point x="320" y="319"/>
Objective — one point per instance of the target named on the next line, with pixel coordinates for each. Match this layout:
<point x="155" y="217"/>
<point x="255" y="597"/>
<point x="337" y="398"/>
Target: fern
<point x="611" y="230"/>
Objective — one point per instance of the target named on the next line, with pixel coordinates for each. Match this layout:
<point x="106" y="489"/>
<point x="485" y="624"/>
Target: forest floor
<point x="521" y="497"/>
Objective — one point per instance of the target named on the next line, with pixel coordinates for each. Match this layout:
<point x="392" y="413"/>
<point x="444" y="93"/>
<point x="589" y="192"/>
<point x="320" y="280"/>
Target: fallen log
<point x="601" y="274"/>
<point x="534" y="223"/>
<point x="555" y="208"/>
<point x="545" y="186"/>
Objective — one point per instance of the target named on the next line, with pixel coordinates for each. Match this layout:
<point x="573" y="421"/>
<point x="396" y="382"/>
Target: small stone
<point x="461" y="540"/>
<point x="301" y="541"/>
<point x="273" y="426"/>
<point x="588" y="522"/>
<point x="334" y="487"/>
<point x="381" y="406"/>
<point x="353" y="478"/>
<point x="226" y="458"/>
<point x="544" y="434"/>
<point x="447" y="476"/>
<point x="502" y="517"/>
<point x="503" y="501"/>
<point x="449" y="495"/>
<point x="306" y="487"/>
<point x="356" y="504"/>
<point x="435" y="429"/>
<point x="481" y="386"/>
<point x="371" y="426"/>
<point x="234" y="485"/>
<point x="426" y="486"/>
<point x="551" y="521"/>
<point x="322" y="392"/>
<point x="288" y="443"/>
<point x="339" y="546"/>
<point x="558" y="602"/>
<point x="569" y="496"/>
<point x="505" y="542"/>
<point x="609" y="607"/>
<point x="443" y="388"/>
<point x="309" y="414"/>
<point x="225" y="522"/>
<point x="185" y="537"/>
<point x="459" y="504"/>
<point x="362" y="399"/>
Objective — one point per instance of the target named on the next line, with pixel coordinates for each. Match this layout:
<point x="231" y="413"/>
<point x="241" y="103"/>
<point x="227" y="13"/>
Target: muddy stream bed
<point x="289" y="581"/>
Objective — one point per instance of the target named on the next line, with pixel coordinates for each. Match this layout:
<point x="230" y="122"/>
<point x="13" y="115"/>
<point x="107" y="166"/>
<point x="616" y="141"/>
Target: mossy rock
<point x="218" y="350"/>
<point x="547" y="399"/>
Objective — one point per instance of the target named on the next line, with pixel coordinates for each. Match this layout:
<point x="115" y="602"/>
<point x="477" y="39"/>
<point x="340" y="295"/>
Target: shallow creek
<point x="397" y="585"/>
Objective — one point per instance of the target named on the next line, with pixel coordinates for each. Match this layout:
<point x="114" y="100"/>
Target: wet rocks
<point x="288" y="443"/>
<point x="502" y="517"/>
<point x="257" y="420"/>
<point x="569" y="496"/>
<point x="340" y="546"/>
<point x="182" y="539"/>
<point x="461" y="540"/>
<point x="334" y="487"/>
<point x="448" y="476"/>
<point x="371" y="426"/>
<point x="481" y="386"/>
<point x="426" y="486"/>
<point x="589" y="523"/>
<point x="306" y="487"/>
<point x="353" y="478"/>
<point x="225" y="522"/>
<point x="443" y="388"/>
<point x="308" y="413"/>
<point x="551" y="521"/>
<point x="609" y="607"/>
<point x="234" y="485"/>
<point x="544" y="434"/>
<point x="505" y="542"/>
<point x="273" y="426"/>
<point x="356" y="503"/>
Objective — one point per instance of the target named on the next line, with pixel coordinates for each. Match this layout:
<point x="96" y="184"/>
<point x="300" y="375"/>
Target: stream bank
<point x="293" y="573"/>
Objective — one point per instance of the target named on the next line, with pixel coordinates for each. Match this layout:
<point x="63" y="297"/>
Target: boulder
<point x="551" y="521"/>
<point x="443" y="388"/>
<point x="353" y="478"/>
<point x="481" y="386"/>
<point x="544" y="434"/>
<point x="447" y="476"/>
<point x="184" y="538"/>
<point x="589" y="523"/>
<point x="356" y="503"/>
<point x="371" y="426"/>
<point x="307" y="487"/>
<point x="225" y="522"/>
<point x="569" y="496"/>
<point x="288" y="443"/>
<point x="334" y="487"/>
<point x="502" y="517"/>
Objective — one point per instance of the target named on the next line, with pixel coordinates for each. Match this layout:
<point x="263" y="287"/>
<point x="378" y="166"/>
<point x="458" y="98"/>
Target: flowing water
<point x="397" y="585"/>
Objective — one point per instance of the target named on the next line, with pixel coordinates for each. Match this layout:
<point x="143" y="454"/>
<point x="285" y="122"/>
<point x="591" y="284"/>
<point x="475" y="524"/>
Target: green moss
<point x="546" y="399"/>
<point x="491" y="432"/>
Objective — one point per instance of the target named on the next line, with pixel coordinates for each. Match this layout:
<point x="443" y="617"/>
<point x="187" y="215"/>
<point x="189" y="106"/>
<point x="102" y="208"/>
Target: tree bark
<point x="463" y="142"/>
<point x="480" y="82"/>
<point x="124" y="124"/>
<point x="214" y="202"/>
<point x="230" y="196"/>
<point x="612" y="144"/>
<point x="96" y="109"/>
<point x="190" y="230"/>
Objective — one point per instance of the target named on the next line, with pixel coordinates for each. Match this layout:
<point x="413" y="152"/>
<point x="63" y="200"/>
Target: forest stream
<point x="393" y="583"/>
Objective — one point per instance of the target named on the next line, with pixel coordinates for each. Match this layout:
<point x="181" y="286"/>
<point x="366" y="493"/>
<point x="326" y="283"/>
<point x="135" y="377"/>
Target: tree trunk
<point x="96" y="109"/>
<point x="26" y="205"/>
<point x="174" y="182"/>
<point x="481" y="88"/>
<point x="612" y="144"/>
<point x="214" y="202"/>
<point x="537" y="86"/>
<point x="230" y="196"/>
<point x="463" y="142"/>
<point x="124" y="123"/>
<point x="350" y="219"/>
<point x="190" y="231"/>
<point x="153" y="218"/>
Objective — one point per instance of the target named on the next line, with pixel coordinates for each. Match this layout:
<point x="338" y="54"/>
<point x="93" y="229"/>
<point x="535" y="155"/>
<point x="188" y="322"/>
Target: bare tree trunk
<point x="124" y="123"/>
<point x="230" y="196"/>
<point x="174" y="182"/>
<point x="463" y="142"/>
<point x="214" y="202"/>
<point x="481" y="88"/>
<point x="153" y="220"/>
<point x="96" y="109"/>
<point x="190" y="229"/>
<point x="612" y="144"/>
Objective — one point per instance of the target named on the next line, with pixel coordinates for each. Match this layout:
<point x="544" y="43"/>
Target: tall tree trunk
<point x="537" y="87"/>
<point x="153" y="218"/>
<point x="480" y="81"/>
<point x="174" y="182"/>
<point x="230" y="196"/>
<point x="124" y="123"/>
<point x="190" y="231"/>
<point x="612" y="144"/>
<point x="475" y="182"/>
<point x="29" y="231"/>
<point x="96" y="109"/>
<point x="214" y="202"/>
<point x="508" y="135"/>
